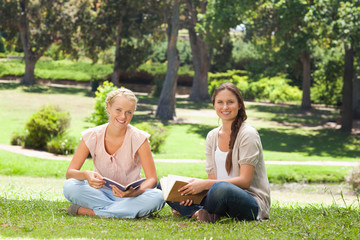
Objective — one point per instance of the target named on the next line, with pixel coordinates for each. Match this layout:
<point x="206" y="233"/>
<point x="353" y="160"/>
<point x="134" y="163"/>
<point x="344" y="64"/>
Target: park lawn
<point x="58" y="70"/>
<point x="13" y="164"/>
<point x="287" y="133"/>
<point x="25" y="216"/>
<point x="34" y="207"/>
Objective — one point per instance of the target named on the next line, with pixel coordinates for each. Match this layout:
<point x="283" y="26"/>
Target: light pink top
<point x="124" y="165"/>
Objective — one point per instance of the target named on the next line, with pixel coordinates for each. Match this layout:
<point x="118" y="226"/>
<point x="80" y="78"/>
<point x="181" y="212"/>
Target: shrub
<point x="158" y="134"/>
<point x="2" y="45"/>
<point x="99" y="116"/>
<point x="275" y="89"/>
<point x="228" y="75"/>
<point x="240" y="81"/>
<point x="354" y="179"/>
<point x="62" y="145"/>
<point x="45" y="124"/>
<point x="18" y="139"/>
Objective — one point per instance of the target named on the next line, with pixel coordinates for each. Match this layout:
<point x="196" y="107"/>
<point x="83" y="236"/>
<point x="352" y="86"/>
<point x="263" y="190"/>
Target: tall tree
<point x="348" y="28"/>
<point x="356" y="92"/>
<point x="167" y="102"/>
<point x="208" y="22"/>
<point x="340" y="23"/>
<point x="199" y="49"/>
<point x="41" y="23"/>
<point x="290" y="37"/>
<point x="125" y="24"/>
<point x="347" y="114"/>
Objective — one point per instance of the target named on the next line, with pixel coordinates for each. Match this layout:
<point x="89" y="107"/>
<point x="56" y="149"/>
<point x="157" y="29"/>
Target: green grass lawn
<point x="32" y="204"/>
<point x="57" y="70"/>
<point x="42" y="215"/>
<point x="287" y="132"/>
<point x="49" y="220"/>
<point x="13" y="164"/>
<point x="34" y="207"/>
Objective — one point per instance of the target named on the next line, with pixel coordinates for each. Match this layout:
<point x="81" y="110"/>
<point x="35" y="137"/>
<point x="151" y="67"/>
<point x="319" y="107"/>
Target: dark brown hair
<point x="240" y="118"/>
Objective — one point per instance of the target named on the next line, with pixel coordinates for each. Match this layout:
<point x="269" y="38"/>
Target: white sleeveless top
<point x="220" y="159"/>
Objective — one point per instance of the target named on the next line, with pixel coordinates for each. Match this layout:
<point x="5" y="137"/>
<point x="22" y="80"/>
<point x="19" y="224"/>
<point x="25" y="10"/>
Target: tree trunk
<point x="30" y="58"/>
<point x="115" y="77"/>
<point x="200" y="56"/>
<point x="29" y="76"/>
<point x="306" y="60"/>
<point x="346" y="114"/>
<point x="356" y="95"/>
<point x="167" y="101"/>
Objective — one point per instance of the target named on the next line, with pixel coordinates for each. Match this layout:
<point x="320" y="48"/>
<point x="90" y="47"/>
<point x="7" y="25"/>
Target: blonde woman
<point x="119" y="151"/>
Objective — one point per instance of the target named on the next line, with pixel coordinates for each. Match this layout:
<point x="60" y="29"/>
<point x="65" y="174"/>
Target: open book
<point x="172" y="183"/>
<point x="123" y="188"/>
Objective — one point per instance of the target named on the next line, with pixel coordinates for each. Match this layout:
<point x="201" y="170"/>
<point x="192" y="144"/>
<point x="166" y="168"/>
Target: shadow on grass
<point x="288" y="115"/>
<point x="186" y="104"/>
<point x="180" y="102"/>
<point x="324" y="142"/>
<point x="147" y="100"/>
<point x="200" y="129"/>
<point x="9" y="86"/>
<point x="37" y="88"/>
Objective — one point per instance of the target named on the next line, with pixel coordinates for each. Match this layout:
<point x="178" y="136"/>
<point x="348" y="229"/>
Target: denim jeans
<point x="105" y="204"/>
<point x="224" y="199"/>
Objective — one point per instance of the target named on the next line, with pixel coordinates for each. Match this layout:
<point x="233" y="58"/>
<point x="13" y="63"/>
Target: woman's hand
<point x="186" y="203"/>
<point x="194" y="186"/>
<point x="118" y="193"/>
<point x="94" y="179"/>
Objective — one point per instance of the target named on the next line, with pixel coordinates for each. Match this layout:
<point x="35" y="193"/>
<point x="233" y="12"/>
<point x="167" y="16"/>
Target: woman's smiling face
<point x="121" y="111"/>
<point x="226" y="105"/>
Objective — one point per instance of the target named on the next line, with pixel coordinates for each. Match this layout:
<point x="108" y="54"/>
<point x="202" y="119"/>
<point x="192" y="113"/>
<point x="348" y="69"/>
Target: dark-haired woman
<point x="237" y="183"/>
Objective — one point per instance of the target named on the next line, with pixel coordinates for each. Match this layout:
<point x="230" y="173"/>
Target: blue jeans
<point x="105" y="204"/>
<point x="224" y="199"/>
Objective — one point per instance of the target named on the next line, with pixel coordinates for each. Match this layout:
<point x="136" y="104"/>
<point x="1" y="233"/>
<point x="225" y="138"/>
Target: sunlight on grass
<point x="287" y="132"/>
<point x="187" y="141"/>
<point x="31" y="208"/>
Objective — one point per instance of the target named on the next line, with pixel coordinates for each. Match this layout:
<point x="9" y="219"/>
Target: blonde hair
<point x="118" y="93"/>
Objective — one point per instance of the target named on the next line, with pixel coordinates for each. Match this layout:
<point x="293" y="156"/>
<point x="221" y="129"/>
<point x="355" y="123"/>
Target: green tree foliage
<point x="39" y="24"/>
<point x="209" y="23"/>
<point x="2" y="45"/>
<point x="328" y="82"/>
<point x="282" y="29"/>
<point x="126" y="25"/>
<point x="338" y="24"/>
